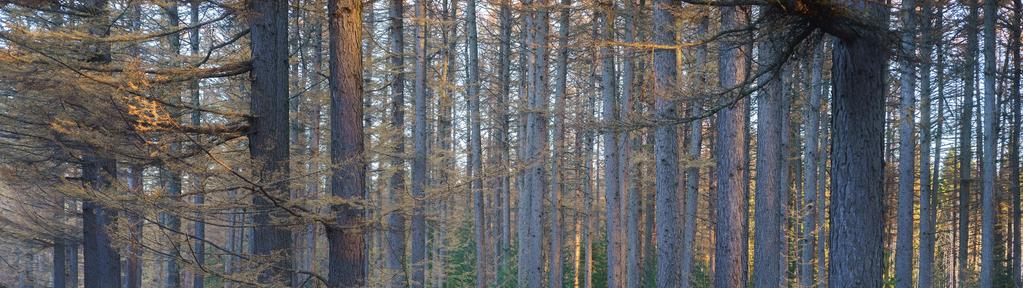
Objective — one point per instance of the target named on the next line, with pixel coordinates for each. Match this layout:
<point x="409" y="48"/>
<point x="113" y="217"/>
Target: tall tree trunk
<point x="987" y="270"/>
<point x="59" y="269"/>
<point x="534" y="183"/>
<point x="347" y="255"/>
<point x="501" y="157"/>
<point x="927" y="223"/>
<point x="693" y="173"/>
<point x="134" y="261"/>
<point x="628" y="170"/>
<point x="666" y="147"/>
<point x="907" y="149"/>
<point x="394" y="246"/>
<point x="858" y="127"/>
<point x="475" y="145"/>
<point x="102" y="261"/>
<point x="1014" y="135"/>
<point x="172" y="179"/>
<point x="420" y="135"/>
<point x="558" y="177"/>
<point x="811" y="116"/>
<point x="965" y="153"/>
<point x="731" y="231"/>
<point x="613" y="194"/>
<point x="268" y="140"/>
<point x="768" y="234"/>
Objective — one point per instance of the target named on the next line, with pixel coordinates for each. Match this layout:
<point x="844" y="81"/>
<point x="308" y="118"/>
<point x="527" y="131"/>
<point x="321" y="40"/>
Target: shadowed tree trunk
<point x="613" y="162"/>
<point x="858" y="73"/>
<point x="693" y="173"/>
<point x="731" y="253"/>
<point x="811" y="116"/>
<point x="1014" y="140"/>
<point x="476" y="145"/>
<point x="420" y="133"/>
<point x="171" y="180"/>
<point x="199" y="226"/>
<point x="268" y="139"/>
<point x="394" y="244"/>
<point x="346" y="243"/>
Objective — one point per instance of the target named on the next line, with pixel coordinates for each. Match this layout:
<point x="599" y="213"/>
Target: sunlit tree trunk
<point x="731" y="231"/>
<point x="347" y="247"/>
<point x="534" y="182"/>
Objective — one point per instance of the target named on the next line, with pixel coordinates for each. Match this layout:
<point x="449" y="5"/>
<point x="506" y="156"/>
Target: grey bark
<point x="1014" y="142"/>
<point x="268" y="140"/>
<point x="811" y="115"/>
<point x="731" y="231"/>
<point x="59" y="269"/>
<point x="501" y="160"/>
<point x="907" y="149"/>
<point x="134" y="259"/>
<point x="858" y="74"/>
<point x="558" y="177"/>
<point x="394" y="243"/>
<point x="987" y="262"/>
<point x="199" y="226"/>
<point x="476" y="145"/>
<point x="628" y="171"/>
<point x="347" y="246"/>
<point x="420" y="132"/>
<point x="172" y="179"/>
<point x="534" y="182"/>
<point x="666" y="147"/>
<point x="613" y="192"/>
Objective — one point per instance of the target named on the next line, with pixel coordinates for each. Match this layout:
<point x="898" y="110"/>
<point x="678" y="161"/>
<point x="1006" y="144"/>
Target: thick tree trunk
<point x="346" y="243"/>
<point x="558" y="177"/>
<point x="534" y="182"/>
<point x="613" y="192"/>
<point x="59" y="268"/>
<point x="501" y="157"/>
<point x="268" y="139"/>
<point x="987" y="259"/>
<point x="731" y="231"/>
<point x="394" y="244"/>
<point x="768" y="234"/>
<point x="811" y="120"/>
<point x="171" y="181"/>
<point x="666" y="148"/>
<point x="907" y="149"/>
<point x="858" y="73"/>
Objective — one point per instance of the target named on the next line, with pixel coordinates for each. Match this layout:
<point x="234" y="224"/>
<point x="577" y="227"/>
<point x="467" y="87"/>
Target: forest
<point x="510" y="143"/>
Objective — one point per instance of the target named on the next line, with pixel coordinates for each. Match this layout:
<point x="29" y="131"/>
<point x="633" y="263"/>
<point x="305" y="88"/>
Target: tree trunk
<point x="731" y="253"/>
<point x="907" y="149"/>
<point x="1014" y="140"/>
<point x="268" y="140"/>
<point x="394" y="246"/>
<point x="348" y="174"/>
<point x="613" y="194"/>
<point x="768" y="234"/>
<point x="102" y="262"/>
<point x="500" y="161"/>
<point x="419" y="166"/>
<point x="475" y="145"/>
<point x="534" y="183"/>
<point x="199" y="226"/>
<point x="172" y="180"/>
<point x="558" y="177"/>
<point x="134" y="261"/>
<point x="858" y="127"/>
<point x="988" y="184"/>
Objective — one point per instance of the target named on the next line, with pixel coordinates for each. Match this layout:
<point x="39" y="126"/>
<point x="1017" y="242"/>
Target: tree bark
<point x="348" y="174"/>
<point x="420" y="132"/>
<point x="907" y="149"/>
<point x="768" y="234"/>
<point x="558" y="177"/>
<point x="394" y="247"/>
<point x="858" y="127"/>
<point x="534" y="183"/>
<point x="476" y="146"/>
<point x="693" y="172"/>
<point x="927" y="223"/>
<point x="1014" y="140"/>
<point x="102" y="262"/>
<point x="731" y="231"/>
<point x="965" y="132"/>
<point x="987" y="270"/>
<point x="268" y="139"/>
